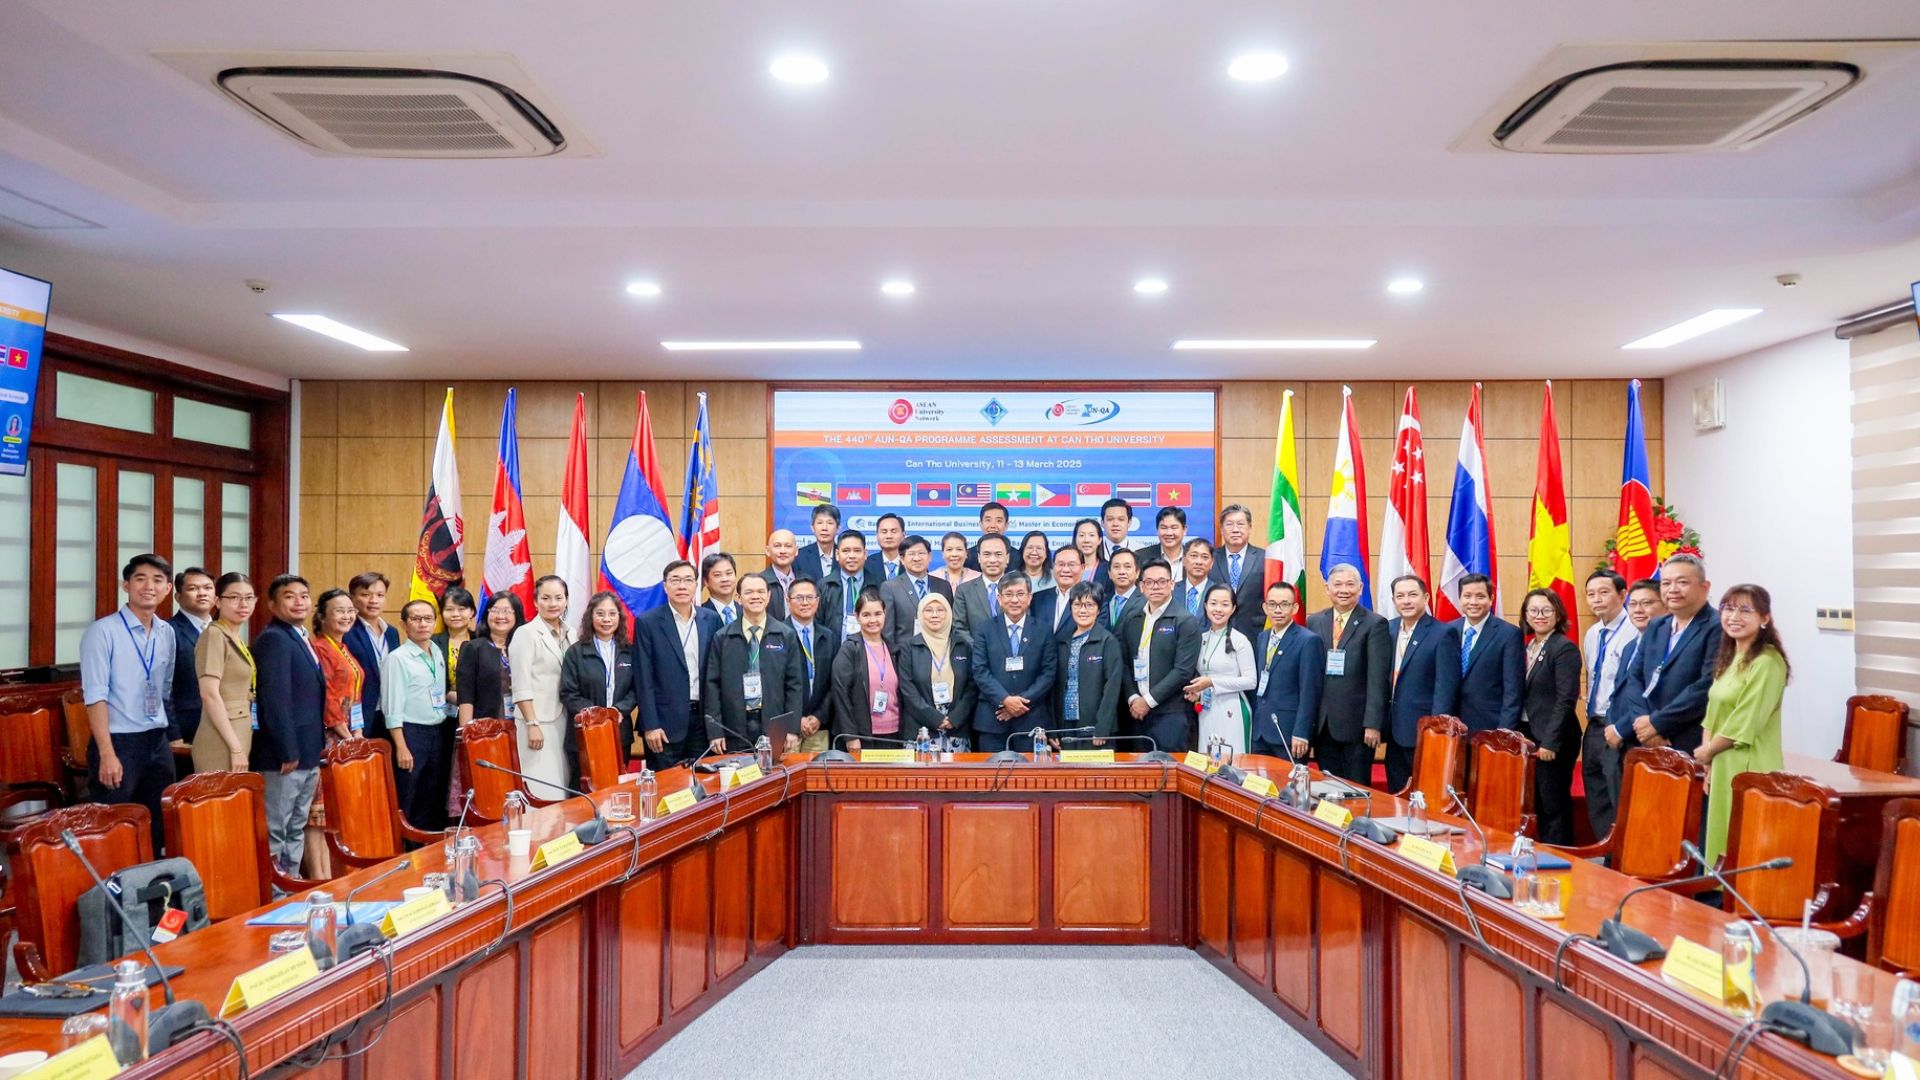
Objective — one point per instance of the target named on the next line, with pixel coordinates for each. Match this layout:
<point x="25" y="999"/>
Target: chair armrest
<point x="26" y="957"/>
<point x="419" y="836"/>
<point x="340" y="854"/>
<point x="288" y="883"/>
<point x="1853" y="925"/>
<point x="1599" y="850"/>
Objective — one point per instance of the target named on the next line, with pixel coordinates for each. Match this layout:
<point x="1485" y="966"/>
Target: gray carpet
<point x="999" y="1012"/>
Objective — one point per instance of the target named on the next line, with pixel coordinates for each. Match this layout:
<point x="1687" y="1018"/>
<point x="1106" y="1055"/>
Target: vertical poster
<point x="23" y="329"/>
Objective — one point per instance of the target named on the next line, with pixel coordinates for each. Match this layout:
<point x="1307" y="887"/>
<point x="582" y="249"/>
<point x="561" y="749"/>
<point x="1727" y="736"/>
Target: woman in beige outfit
<point x="225" y="666"/>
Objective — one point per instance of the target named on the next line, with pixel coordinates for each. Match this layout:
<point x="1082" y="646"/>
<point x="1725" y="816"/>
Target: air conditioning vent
<point x="1667" y="107"/>
<point x="395" y="112"/>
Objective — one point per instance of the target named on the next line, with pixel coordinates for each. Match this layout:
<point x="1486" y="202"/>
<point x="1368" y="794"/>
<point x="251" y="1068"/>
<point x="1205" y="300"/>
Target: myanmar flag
<point x="1550" y="545"/>
<point x="1286" y="528"/>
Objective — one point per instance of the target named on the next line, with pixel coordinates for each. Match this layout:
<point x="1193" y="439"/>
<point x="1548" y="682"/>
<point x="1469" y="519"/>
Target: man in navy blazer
<point x="193" y="603"/>
<point x="1015" y="684"/>
<point x="1050" y="607"/>
<point x="1243" y="566"/>
<point x="669" y="648"/>
<point x="1426" y="674"/>
<point x="1665" y="695"/>
<point x="1293" y="664"/>
<point x="291" y="700"/>
<point x="815" y="559"/>
<point x="369" y="641"/>
<point x="1492" y="658"/>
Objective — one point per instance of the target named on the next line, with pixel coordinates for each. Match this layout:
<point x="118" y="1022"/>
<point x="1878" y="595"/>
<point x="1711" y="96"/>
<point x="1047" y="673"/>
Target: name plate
<point x="91" y="1060"/>
<point x="898" y="755"/>
<point x="253" y="988"/>
<point x="1197" y="760"/>
<point x="1424" y="852"/>
<point x="1902" y="1067"/>
<point x="1333" y="813"/>
<point x="1696" y="967"/>
<point x="747" y="774"/>
<point x="1261" y="786"/>
<point x="556" y="851"/>
<point x="415" y="914"/>
<point x="1086" y="757"/>
<point x="677" y="801"/>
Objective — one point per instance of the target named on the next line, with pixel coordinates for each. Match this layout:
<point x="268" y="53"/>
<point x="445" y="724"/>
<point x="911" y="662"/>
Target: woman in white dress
<point x="534" y="654"/>
<point x="1228" y="674"/>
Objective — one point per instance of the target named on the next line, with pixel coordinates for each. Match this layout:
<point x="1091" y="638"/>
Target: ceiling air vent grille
<point x="1671" y="107"/>
<point x="386" y="112"/>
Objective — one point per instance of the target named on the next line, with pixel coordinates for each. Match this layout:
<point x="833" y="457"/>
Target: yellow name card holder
<point x="1086" y="757"/>
<point x="415" y="914"/>
<point x="91" y="1060"/>
<point x="898" y="755"/>
<point x="556" y="851"/>
<point x="1333" y="814"/>
<point x="1197" y="760"/>
<point x="676" y="801"/>
<point x="1424" y="852"/>
<point x="747" y="774"/>
<point x="251" y="989"/>
<point x="1261" y="786"/>
<point x="1701" y="970"/>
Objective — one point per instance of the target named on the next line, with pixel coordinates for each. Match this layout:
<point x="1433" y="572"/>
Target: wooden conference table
<point x="599" y="960"/>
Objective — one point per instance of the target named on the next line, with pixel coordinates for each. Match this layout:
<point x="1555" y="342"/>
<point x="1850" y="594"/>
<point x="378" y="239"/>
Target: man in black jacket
<point x="1014" y="670"/>
<point x="1353" y="704"/>
<point x="193" y="602"/>
<point x="818" y="644"/>
<point x="291" y="695"/>
<point x="754" y="669"/>
<point x="1161" y="643"/>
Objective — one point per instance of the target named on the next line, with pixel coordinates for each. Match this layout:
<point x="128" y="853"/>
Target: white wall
<point x="1771" y="495"/>
<point x="102" y="335"/>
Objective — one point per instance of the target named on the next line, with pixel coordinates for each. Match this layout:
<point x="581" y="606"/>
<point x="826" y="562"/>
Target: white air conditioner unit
<point x="1670" y="107"/>
<point x="395" y="112"/>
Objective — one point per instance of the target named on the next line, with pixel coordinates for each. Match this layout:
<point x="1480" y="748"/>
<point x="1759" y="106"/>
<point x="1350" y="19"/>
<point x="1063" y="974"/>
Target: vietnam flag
<point x="1633" y="551"/>
<point x="1550" y="545"/>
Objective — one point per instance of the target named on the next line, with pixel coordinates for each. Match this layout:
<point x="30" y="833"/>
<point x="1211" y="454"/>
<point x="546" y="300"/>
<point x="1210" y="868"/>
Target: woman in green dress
<point x="1742" y="727"/>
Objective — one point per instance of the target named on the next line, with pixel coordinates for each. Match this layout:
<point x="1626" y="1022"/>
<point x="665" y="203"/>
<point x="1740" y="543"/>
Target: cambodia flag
<point x="507" y="565"/>
<point x="640" y="540"/>
<point x="1470" y="545"/>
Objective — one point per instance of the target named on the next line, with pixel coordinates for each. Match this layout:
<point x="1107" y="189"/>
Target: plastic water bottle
<point x="763" y="754"/>
<point x="127" y="1013"/>
<point x="1417" y="817"/>
<point x="322" y="925"/>
<point x="923" y="747"/>
<point x="1040" y="748"/>
<point x="1522" y="863"/>
<point x="1302" y="783"/>
<point x="649" y="794"/>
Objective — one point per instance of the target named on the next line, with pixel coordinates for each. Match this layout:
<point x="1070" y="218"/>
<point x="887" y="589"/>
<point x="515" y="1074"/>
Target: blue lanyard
<point x="146" y="658"/>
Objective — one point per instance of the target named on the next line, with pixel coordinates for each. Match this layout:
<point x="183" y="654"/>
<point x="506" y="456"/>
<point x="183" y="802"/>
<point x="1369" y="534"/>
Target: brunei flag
<point x="1550" y="544"/>
<point x="437" y="556"/>
<point x="1633" y="549"/>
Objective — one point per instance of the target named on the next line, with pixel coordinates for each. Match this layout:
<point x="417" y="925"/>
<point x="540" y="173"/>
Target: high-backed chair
<point x="498" y="742"/>
<point x="218" y="822"/>
<point x="1439" y="760"/>
<point x="1893" y="928"/>
<point x="1778" y="814"/>
<point x="48" y="881"/>
<point x="30" y="741"/>
<point x="597" y="735"/>
<point x="73" y="710"/>
<point x="1662" y="791"/>
<point x="364" y="823"/>
<point x="1876" y="734"/>
<point x="1500" y="782"/>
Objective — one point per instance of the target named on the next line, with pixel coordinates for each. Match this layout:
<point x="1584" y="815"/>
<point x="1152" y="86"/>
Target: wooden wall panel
<point x="689" y="914"/>
<point x="1571" y="1048"/>
<point x="1424" y="1004"/>
<point x="770" y="888"/>
<point x="879" y="866"/>
<point x="1293" y="937"/>
<point x="1646" y="1067"/>
<point x="1102" y="858"/>
<point x="1250" y="905"/>
<point x="1491" y="1012"/>
<point x="731" y="914"/>
<point x="1343" y="961"/>
<point x="487" y="1020"/>
<point x="409" y="1046"/>
<point x="642" y="945"/>
<point x="556" y="992"/>
<point x="1210" y="884"/>
<point x="990" y="867"/>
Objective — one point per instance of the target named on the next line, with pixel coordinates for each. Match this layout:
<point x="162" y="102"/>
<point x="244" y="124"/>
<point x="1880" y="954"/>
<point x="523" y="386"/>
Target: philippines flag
<point x="1403" y="539"/>
<point x="893" y="494"/>
<point x="972" y="494"/>
<point x="1135" y="494"/>
<point x="1091" y="494"/>
<point x="1634" y="555"/>
<point x="1052" y="495"/>
<point x="571" y="560"/>
<point x="700" y="506"/>
<point x="933" y="495"/>
<point x="640" y="540"/>
<point x="1470" y="547"/>
<point x="507" y="566"/>
<point x="855" y="495"/>
<point x="1345" y="540"/>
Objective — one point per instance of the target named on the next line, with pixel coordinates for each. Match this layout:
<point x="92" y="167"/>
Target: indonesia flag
<point x="890" y="494"/>
<point x="700" y="506"/>
<point x="1633" y="551"/>
<point x="1403" y="535"/>
<point x="1470" y="546"/>
<point x="640" y="540"/>
<point x="571" y="560"/>
<point x="1345" y="540"/>
<point x="507" y="566"/>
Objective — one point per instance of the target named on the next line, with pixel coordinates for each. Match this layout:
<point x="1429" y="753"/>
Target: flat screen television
<point x="23" y="330"/>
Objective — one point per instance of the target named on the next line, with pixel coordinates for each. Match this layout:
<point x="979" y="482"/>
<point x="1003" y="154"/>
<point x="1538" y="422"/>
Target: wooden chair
<point x="496" y="741"/>
<point x="218" y="822"/>
<point x="48" y="881"/>
<point x="364" y="823"/>
<point x="1778" y="814"/>
<point x="1662" y="791"/>
<point x="1893" y="928"/>
<point x="1500" y="783"/>
<point x="30" y="750"/>
<point x="1439" y="760"/>
<point x="73" y="709"/>
<point x="597" y="735"/>
<point x="1876" y="734"/>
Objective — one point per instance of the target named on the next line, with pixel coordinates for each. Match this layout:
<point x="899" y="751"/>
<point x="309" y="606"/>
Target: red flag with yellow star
<point x="1550" y="545"/>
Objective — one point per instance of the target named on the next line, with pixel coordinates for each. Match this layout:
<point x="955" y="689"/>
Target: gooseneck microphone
<point x="1480" y="875"/>
<point x="1637" y="947"/>
<point x="171" y="1022"/>
<point x="590" y="832"/>
<point x="1153" y="754"/>
<point x="352" y="940"/>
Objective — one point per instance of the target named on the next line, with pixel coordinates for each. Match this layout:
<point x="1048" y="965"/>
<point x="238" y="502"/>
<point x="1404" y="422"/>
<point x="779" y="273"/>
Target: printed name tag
<point x="356" y="718"/>
<point x="1261" y="786"/>
<point x="879" y="702"/>
<point x="1697" y="968"/>
<point x="556" y="851"/>
<point x="1086" y="757"/>
<point x="747" y="774"/>
<point x="1333" y="814"/>
<point x="1337" y="662"/>
<point x="91" y="1060"/>
<point x="1140" y="667"/>
<point x="416" y="913"/>
<point x="1262" y="688"/>
<point x="943" y="693"/>
<point x="1016" y="663"/>
<point x="1197" y="760"/>
<point x="1435" y="857"/>
<point x="899" y="755"/>
<point x="253" y="988"/>
<point x="676" y="801"/>
<point x="253" y="714"/>
<point x="750" y="685"/>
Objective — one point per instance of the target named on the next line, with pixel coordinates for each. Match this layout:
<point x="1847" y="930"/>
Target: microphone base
<point x="833" y="757"/>
<point x="592" y="832"/>
<point x="699" y="791"/>
<point x="1008" y="756"/>
<point x="1372" y="830"/>
<point x="1817" y="1029"/>
<point x="1488" y="880"/>
<point x="1633" y="946"/>
<point x="168" y="1024"/>
<point x="1228" y="774"/>
<point x="1157" y="756"/>
<point x="356" y="940"/>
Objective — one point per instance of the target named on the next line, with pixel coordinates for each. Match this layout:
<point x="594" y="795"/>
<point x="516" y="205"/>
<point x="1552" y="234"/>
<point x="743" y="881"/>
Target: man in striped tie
<point x="1241" y="565"/>
<point x="902" y="594"/>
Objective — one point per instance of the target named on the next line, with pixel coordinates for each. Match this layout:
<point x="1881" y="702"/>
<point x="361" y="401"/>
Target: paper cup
<point x="15" y="1064"/>
<point x="519" y="841"/>
<point x="415" y="893"/>
<point x="726" y="776"/>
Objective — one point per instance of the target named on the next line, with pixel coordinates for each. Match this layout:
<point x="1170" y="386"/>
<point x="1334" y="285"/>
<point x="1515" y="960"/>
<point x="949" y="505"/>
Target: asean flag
<point x="640" y="542"/>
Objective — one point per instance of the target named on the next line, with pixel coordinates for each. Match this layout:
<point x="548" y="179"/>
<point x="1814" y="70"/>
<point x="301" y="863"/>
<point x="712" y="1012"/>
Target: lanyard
<point x="433" y="665"/>
<point x="940" y="659"/>
<point x="806" y="647"/>
<point x="253" y="670"/>
<point x="686" y="636"/>
<point x="879" y="660"/>
<point x="604" y="647"/>
<point x="352" y="665"/>
<point x="1207" y="655"/>
<point x="146" y="658"/>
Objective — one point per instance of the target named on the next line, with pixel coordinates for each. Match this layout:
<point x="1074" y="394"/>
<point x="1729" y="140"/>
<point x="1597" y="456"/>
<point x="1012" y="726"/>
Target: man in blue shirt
<point x="126" y="676"/>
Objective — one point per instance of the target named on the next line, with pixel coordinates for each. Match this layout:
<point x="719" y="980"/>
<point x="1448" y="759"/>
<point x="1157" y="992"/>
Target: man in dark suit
<point x="1358" y="679"/>
<point x="818" y="643"/>
<point x="1170" y="529"/>
<point x="1665" y="695"/>
<point x="1050" y="607"/>
<point x="1161" y="643"/>
<point x="902" y="594"/>
<point x="1293" y="665"/>
<point x="849" y="575"/>
<point x="993" y="522"/>
<point x="721" y="575"/>
<point x="1014" y="665"/>
<point x="1116" y="528"/>
<point x="1122" y="595"/>
<point x="669" y="645"/>
<point x="192" y="610"/>
<point x="816" y="557"/>
<point x="1426" y="674"/>
<point x="1493" y="660"/>
<point x="369" y="642"/>
<point x="779" y="575"/>
<point x="1243" y="566"/>
<point x="977" y="602"/>
<point x="754" y="669"/>
<point x="1195" y="573"/>
<point x="291" y="698"/>
<point x="889" y="532"/>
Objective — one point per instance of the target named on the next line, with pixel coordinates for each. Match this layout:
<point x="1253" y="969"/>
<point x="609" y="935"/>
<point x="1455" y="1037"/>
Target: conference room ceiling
<point x="1022" y="164"/>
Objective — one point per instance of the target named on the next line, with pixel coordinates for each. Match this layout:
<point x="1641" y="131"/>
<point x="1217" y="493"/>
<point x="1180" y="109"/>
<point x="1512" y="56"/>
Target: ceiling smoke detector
<point x="395" y="112"/>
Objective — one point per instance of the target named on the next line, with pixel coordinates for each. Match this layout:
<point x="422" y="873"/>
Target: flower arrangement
<point x="1670" y="535"/>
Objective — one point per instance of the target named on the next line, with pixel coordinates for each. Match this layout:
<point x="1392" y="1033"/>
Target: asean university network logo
<point x="900" y="411"/>
<point x="994" y="411"/>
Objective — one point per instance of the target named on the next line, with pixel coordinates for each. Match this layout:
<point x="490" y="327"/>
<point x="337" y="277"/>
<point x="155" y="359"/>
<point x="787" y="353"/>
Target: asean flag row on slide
<point x="1014" y="496"/>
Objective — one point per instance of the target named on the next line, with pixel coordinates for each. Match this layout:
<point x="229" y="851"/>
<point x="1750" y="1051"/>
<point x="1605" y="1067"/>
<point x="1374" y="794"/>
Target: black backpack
<point x="146" y="891"/>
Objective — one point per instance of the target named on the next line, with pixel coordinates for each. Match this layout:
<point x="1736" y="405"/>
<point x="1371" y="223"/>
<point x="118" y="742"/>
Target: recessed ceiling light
<point x="340" y="331"/>
<point x="897" y="287"/>
<point x="1257" y="67"/>
<point x="643" y="288"/>
<point x="1150" y="286"/>
<point x="1693" y="328"/>
<point x="761" y="346"/>
<point x="1406" y="285"/>
<point x="1262" y="344"/>
<point x="799" y="70"/>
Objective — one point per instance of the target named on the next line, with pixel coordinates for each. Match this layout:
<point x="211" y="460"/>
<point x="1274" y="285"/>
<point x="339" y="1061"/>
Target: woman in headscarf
<point x="936" y="674"/>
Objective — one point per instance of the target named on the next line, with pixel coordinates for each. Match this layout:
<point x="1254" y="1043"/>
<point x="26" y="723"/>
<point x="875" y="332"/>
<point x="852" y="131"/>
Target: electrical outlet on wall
<point x="1833" y="618"/>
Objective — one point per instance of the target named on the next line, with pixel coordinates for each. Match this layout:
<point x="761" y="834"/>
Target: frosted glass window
<point x="136" y="515"/>
<point x="75" y="586"/>
<point x="189" y="522"/>
<point x="236" y="516"/>
<point x="15" y="552"/>
<point x="97" y="401"/>
<point x="209" y="423"/>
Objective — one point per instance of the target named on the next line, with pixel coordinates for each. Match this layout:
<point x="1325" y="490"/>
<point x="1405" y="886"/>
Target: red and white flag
<point x="570" y="556"/>
<point x="1403" y="535"/>
<point x="892" y="494"/>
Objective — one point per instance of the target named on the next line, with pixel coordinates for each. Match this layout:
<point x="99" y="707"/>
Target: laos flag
<point x="640" y="540"/>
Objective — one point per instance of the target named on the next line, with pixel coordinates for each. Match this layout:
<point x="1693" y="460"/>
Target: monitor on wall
<point x="23" y="329"/>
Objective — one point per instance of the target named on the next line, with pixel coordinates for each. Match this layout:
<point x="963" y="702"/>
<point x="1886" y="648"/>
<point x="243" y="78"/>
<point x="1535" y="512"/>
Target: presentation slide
<point x="23" y="326"/>
<point x="1051" y="457"/>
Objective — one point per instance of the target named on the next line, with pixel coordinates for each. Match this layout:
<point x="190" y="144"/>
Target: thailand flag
<point x="1135" y="494"/>
<point x="640" y="540"/>
<point x="1052" y="495"/>
<point x="1345" y="539"/>
<point x="700" y="506"/>
<point x="507" y="565"/>
<point x="1091" y="494"/>
<point x="1470" y="547"/>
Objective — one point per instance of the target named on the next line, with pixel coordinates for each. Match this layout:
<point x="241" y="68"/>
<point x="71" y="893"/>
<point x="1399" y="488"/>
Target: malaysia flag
<point x="1174" y="494"/>
<point x="855" y="495"/>
<point x="893" y="494"/>
<point x="1052" y="495"/>
<point x="972" y="494"/>
<point x="1135" y="494"/>
<point x="933" y="495"/>
<point x="1091" y="494"/>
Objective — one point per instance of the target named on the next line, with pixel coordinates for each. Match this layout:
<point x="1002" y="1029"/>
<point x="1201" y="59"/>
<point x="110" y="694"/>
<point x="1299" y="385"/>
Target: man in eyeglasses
<point x="1665" y="695"/>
